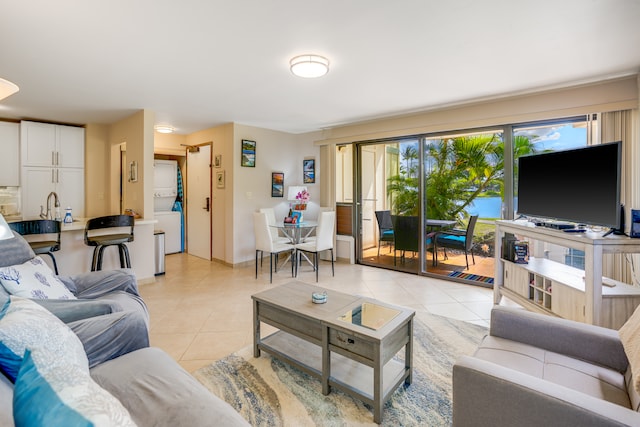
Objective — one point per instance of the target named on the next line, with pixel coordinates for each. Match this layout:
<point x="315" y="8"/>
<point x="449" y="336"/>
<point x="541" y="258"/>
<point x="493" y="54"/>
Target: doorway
<point x="198" y="201"/>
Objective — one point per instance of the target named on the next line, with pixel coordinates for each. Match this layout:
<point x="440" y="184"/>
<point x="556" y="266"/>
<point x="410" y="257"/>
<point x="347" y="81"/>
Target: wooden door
<point x="198" y="201"/>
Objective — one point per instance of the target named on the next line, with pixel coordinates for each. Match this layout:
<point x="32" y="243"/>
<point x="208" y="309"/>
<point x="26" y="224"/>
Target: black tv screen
<point x="579" y="185"/>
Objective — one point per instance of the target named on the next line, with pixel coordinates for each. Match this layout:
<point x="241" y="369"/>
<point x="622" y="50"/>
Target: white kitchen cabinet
<point x="52" y="158"/>
<point x="38" y="182"/>
<point x="10" y="158"/>
<point x="44" y="144"/>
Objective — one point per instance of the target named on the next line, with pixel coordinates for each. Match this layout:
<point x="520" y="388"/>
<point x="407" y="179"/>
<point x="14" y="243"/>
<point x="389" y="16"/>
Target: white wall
<point x="275" y="152"/>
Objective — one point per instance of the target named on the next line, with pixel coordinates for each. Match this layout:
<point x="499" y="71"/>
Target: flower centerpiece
<point x="302" y="198"/>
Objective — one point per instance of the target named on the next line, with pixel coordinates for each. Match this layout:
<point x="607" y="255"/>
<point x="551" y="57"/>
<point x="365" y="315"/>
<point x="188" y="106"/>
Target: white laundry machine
<point x="169" y="222"/>
<point x="164" y="196"/>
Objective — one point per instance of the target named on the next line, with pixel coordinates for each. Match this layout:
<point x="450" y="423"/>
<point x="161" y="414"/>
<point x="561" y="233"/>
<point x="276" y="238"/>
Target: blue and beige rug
<point x="268" y="392"/>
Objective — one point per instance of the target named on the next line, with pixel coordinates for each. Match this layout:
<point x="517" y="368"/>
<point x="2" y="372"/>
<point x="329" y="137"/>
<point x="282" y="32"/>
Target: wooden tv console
<point x="547" y="286"/>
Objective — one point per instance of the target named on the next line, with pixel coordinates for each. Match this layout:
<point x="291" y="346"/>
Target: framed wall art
<point x="248" y="158"/>
<point x="217" y="160"/>
<point x="309" y="171"/>
<point x="277" y="184"/>
<point x="220" y="179"/>
<point x="133" y="171"/>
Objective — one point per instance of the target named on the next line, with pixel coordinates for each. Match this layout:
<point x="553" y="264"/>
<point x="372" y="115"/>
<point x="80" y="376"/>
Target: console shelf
<point x="551" y="287"/>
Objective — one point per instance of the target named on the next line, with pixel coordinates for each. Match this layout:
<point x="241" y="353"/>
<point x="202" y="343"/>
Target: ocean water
<point x="485" y="207"/>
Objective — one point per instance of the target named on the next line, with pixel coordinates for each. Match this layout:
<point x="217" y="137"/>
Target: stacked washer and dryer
<point x="164" y="197"/>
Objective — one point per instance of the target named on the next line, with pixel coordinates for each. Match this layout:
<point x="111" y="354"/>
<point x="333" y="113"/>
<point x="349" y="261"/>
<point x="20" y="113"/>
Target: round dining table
<point x="296" y="233"/>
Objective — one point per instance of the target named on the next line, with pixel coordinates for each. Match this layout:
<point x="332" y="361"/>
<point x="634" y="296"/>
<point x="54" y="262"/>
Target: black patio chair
<point x="385" y="229"/>
<point x="458" y="239"/>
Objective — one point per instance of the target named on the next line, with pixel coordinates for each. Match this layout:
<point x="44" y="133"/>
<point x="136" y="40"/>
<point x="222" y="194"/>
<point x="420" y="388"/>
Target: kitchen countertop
<point x="79" y="223"/>
<point x="74" y="257"/>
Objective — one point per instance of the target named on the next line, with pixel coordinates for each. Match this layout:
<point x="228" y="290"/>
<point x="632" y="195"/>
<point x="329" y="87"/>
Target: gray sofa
<point x="534" y="370"/>
<point x="111" y="320"/>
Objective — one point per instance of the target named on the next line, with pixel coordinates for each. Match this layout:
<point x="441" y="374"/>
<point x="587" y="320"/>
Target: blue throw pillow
<point x="47" y="362"/>
<point x="25" y="325"/>
<point x="63" y="397"/>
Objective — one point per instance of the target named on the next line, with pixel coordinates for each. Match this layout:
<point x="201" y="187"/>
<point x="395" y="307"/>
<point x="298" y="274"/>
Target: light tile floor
<point x="202" y="311"/>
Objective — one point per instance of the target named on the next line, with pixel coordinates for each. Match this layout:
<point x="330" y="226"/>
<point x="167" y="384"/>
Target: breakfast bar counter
<point x="75" y="257"/>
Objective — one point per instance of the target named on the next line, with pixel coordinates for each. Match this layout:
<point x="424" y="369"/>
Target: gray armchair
<point x="534" y="370"/>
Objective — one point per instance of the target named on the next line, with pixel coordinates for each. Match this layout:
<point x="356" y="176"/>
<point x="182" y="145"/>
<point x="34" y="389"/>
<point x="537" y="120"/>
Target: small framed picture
<point x="309" y="171"/>
<point x="277" y="184"/>
<point x="217" y="160"/>
<point x="220" y="179"/>
<point x="133" y="171"/>
<point x="248" y="158"/>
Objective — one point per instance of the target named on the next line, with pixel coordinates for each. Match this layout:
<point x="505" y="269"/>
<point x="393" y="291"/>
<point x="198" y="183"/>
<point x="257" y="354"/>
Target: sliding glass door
<point x="463" y="181"/>
<point x="383" y="238"/>
<point x="418" y="196"/>
<point x="428" y="204"/>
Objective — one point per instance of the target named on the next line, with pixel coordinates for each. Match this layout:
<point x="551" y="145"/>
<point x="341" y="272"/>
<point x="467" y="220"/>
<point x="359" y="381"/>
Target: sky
<point x="557" y="137"/>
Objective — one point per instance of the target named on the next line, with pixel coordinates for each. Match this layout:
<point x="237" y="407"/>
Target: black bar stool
<point x="106" y="238"/>
<point x="47" y="229"/>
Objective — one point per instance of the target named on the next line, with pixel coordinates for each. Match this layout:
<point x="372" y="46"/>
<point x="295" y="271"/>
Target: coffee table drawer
<point x="351" y="343"/>
<point x="290" y="321"/>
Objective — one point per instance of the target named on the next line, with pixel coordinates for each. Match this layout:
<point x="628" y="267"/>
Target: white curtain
<point x="624" y="126"/>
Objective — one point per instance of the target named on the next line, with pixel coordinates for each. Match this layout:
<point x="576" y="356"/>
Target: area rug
<point x="468" y="276"/>
<point x="267" y="392"/>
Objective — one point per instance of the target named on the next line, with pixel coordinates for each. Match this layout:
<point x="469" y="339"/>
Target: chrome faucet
<point x="56" y="204"/>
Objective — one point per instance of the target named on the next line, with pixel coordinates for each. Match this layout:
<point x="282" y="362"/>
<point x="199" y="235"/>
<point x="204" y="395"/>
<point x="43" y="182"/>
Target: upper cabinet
<point x="52" y="158"/>
<point x="43" y="144"/>
<point x="10" y="158"/>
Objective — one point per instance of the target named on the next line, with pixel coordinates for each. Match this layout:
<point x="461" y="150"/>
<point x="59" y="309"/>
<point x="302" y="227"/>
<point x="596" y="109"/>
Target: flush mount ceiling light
<point x="309" y="66"/>
<point x="164" y="129"/>
<point x="7" y="88"/>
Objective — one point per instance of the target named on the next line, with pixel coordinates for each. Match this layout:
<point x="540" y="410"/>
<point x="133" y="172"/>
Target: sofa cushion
<point x="597" y="381"/>
<point x="634" y="396"/>
<point x="50" y="369"/>
<point x="15" y="251"/>
<point x="24" y="325"/>
<point x="630" y="337"/>
<point x="157" y="391"/>
<point x="63" y="396"/>
<point x="33" y="279"/>
<point x="6" y="401"/>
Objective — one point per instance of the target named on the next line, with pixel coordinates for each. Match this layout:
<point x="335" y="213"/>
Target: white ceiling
<point x="201" y="63"/>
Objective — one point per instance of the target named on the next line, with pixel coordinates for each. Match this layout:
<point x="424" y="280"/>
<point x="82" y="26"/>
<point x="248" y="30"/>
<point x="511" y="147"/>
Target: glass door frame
<point x="423" y="265"/>
<point x="359" y="202"/>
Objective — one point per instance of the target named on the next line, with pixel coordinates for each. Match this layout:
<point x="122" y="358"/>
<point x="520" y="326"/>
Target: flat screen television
<point x="579" y="185"/>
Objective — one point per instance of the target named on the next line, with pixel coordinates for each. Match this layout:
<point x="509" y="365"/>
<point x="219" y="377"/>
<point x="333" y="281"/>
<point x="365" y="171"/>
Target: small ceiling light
<point x="7" y="88"/>
<point x="164" y="129"/>
<point x="309" y="66"/>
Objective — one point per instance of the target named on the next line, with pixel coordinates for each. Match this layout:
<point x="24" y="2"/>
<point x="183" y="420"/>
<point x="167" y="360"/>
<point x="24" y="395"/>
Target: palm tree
<point x="403" y="187"/>
<point x="460" y="169"/>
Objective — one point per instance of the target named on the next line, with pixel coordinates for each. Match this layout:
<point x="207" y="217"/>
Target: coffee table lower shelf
<point x="349" y="376"/>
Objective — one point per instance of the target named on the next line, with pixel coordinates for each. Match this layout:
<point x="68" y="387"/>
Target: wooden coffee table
<point x="348" y="343"/>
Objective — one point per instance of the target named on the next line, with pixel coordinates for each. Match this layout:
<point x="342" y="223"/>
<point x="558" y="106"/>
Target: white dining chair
<point x="322" y="242"/>
<point x="275" y="233"/>
<point x="312" y="236"/>
<point x="265" y="243"/>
